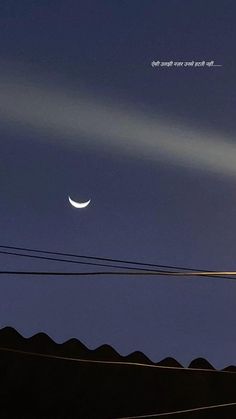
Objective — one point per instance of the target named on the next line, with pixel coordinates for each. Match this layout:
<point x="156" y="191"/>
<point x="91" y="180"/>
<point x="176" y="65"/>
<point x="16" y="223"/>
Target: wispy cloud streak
<point x="58" y="113"/>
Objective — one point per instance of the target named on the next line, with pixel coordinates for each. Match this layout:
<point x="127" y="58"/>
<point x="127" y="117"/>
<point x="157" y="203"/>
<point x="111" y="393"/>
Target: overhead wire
<point x="159" y="266"/>
<point x="98" y="258"/>
<point x="130" y="364"/>
<point x="180" y="412"/>
<point x="126" y="273"/>
<point x="135" y="271"/>
<point x="112" y="363"/>
<point x="73" y="261"/>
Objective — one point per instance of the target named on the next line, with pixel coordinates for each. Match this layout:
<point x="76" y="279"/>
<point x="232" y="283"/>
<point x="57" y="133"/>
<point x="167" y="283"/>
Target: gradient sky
<point x="83" y="113"/>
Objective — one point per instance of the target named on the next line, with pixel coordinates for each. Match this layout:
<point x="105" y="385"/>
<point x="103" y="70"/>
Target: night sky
<point x="83" y="113"/>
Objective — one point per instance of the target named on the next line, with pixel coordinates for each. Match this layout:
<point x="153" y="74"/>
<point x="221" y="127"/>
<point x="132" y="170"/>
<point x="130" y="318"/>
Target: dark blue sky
<point x="153" y="210"/>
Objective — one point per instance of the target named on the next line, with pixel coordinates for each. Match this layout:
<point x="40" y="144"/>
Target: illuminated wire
<point x="179" y="412"/>
<point x="73" y="261"/>
<point x="113" y="363"/>
<point x="98" y="258"/>
<point x="129" y="273"/>
<point x="134" y="364"/>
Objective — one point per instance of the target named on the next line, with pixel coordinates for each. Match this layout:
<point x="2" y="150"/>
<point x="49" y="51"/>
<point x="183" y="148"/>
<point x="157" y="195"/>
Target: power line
<point x="98" y="258"/>
<point x="129" y="273"/>
<point x="129" y="364"/>
<point x="112" y="363"/>
<point x="75" y="261"/>
<point x="179" y="412"/>
<point x="84" y="256"/>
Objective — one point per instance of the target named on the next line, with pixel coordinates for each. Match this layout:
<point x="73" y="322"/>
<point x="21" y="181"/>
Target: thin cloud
<point x="78" y="118"/>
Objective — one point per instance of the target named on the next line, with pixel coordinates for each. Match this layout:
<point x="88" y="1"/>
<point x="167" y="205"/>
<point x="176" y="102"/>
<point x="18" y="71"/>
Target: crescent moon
<point x="78" y="204"/>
